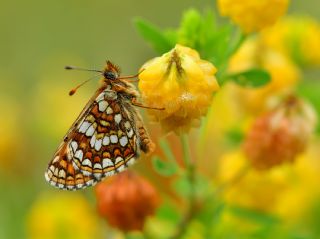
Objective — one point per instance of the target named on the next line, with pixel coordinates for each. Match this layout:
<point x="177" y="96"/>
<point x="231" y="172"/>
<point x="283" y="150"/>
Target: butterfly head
<point x="111" y="72"/>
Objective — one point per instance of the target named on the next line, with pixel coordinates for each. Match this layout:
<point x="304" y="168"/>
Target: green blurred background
<point x="38" y="38"/>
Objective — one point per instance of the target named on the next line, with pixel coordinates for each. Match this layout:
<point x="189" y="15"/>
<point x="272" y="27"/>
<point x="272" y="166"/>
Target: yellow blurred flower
<point x="180" y="82"/>
<point x="278" y="136"/>
<point x="284" y="75"/>
<point x="286" y="191"/>
<point x="253" y="15"/>
<point x="298" y="37"/>
<point x="299" y="199"/>
<point x="258" y="190"/>
<point x="61" y="215"/>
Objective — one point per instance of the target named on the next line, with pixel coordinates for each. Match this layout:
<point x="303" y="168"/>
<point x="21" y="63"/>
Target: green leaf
<point x="168" y="212"/>
<point x="182" y="186"/>
<point x="251" y="78"/>
<point x="254" y="215"/>
<point x="153" y="35"/>
<point x="164" y="168"/>
<point x="234" y="136"/>
<point x="190" y="27"/>
<point x="167" y="150"/>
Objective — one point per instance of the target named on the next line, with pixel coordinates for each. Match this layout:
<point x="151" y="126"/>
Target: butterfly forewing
<point x="100" y="143"/>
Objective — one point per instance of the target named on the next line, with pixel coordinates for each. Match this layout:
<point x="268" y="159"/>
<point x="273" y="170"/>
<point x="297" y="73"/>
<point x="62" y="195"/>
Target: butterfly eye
<point x="110" y="75"/>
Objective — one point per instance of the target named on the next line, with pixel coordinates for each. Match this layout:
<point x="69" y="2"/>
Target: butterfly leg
<point x="135" y="103"/>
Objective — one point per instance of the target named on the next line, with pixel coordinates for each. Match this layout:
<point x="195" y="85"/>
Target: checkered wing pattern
<point x="101" y="143"/>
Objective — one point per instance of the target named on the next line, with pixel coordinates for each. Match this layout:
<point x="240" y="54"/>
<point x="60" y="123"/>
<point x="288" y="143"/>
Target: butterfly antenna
<point x="80" y="69"/>
<point x="71" y="92"/>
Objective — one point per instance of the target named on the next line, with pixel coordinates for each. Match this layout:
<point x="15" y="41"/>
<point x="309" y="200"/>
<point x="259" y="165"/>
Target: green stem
<point x="190" y="171"/>
<point x="186" y="151"/>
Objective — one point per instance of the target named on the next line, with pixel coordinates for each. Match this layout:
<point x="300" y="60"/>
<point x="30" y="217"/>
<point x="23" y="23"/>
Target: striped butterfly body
<point x="105" y="139"/>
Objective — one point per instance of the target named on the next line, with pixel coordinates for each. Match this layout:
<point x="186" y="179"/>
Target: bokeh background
<point x="38" y="38"/>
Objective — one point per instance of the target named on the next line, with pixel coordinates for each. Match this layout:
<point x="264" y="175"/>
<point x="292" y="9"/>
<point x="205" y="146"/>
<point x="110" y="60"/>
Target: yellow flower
<point x="284" y="75"/>
<point x="180" y="82"/>
<point x="298" y="37"/>
<point x="298" y="200"/>
<point x="61" y="215"/>
<point x="259" y="190"/>
<point x="288" y="191"/>
<point x="253" y="15"/>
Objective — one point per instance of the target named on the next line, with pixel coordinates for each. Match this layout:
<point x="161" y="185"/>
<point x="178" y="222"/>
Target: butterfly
<point x="106" y="138"/>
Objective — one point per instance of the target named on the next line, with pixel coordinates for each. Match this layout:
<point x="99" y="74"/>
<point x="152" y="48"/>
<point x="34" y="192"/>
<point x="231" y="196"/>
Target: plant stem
<point x="190" y="171"/>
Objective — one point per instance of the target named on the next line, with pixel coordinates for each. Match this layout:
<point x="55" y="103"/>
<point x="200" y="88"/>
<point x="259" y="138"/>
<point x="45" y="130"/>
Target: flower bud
<point x="126" y="200"/>
<point x="280" y="135"/>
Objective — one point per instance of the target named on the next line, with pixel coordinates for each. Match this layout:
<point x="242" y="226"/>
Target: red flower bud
<point x="280" y="135"/>
<point x="126" y="200"/>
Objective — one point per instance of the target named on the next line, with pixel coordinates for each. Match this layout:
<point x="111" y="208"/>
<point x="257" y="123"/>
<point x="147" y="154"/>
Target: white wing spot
<point x="52" y="168"/>
<point x="48" y="175"/>
<point x="97" y="166"/>
<point x="100" y="97"/>
<point x="117" y="118"/>
<point x="106" y="162"/>
<point x="121" y="168"/>
<point x="118" y="159"/>
<point x="131" y="161"/>
<point x="62" y="173"/>
<point x="56" y="159"/>
<point x="80" y="185"/>
<point x="87" y="162"/>
<point x="109" y="110"/>
<point x="90" y="131"/>
<point x="123" y="141"/>
<point x="110" y="173"/>
<point x="103" y="105"/>
<point x="79" y="154"/>
<point x="130" y="133"/>
<point x="98" y="144"/>
<point x="90" y="182"/>
<point x="129" y="129"/>
<point x="93" y="141"/>
<point x="114" y="139"/>
<point x="106" y="140"/>
<point x="74" y="146"/>
<point x="56" y="172"/>
<point x="84" y="126"/>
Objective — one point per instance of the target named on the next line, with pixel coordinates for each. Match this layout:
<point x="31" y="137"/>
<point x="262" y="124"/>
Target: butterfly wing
<point x="101" y="142"/>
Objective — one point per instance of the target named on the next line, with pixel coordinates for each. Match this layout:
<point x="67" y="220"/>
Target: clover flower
<point x="180" y="82"/>
<point x="253" y="15"/>
<point x="62" y="215"/>
<point x="280" y="135"/>
<point x="126" y="201"/>
<point x="296" y="36"/>
<point x="284" y="75"/>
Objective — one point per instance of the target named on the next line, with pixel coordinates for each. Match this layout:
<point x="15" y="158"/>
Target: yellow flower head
<point x="180" y="82"/>
<point x="61" y="215"/>
<point x="284" y="75"/>
<point x="253" y="15"/>
<point x="297" y="37"/>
